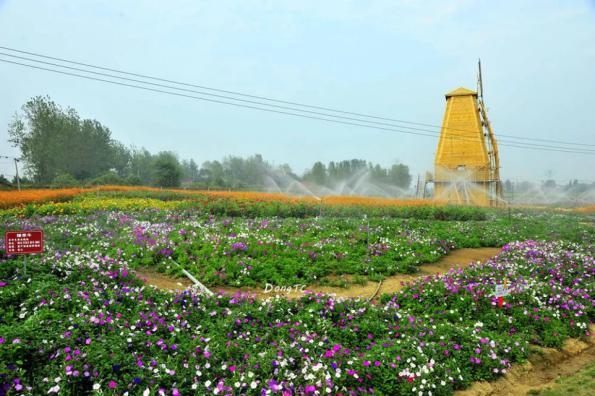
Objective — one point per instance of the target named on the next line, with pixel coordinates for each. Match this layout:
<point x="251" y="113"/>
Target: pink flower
<point x="112" y="384"/>
<point x="232" y="368"/>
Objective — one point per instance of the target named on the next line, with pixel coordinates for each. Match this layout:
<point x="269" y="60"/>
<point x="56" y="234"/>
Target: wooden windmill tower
<point x="466" y="167"/>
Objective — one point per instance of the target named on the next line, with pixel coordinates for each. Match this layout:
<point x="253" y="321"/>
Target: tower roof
<point x="461" y="92"/>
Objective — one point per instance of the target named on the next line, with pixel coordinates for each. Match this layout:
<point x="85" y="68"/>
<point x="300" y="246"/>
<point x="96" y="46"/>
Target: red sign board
<point x="23" y="242"/>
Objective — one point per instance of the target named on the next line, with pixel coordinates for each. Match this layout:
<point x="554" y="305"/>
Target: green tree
<point x="140" y="166"/>
<point x="55" y="141"/>
<point x="190" y="170"/>
<point x="399" y="175"/>
<point x="167" y="169"/>
<point x="317" y="174"/>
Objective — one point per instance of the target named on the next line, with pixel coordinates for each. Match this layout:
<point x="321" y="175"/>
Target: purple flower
<point x="239" y="246"/>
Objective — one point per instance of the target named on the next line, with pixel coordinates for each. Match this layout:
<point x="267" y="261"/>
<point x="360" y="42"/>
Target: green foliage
<point x="64" y="180"/>
<point x="108" y="178"/>
<point x="54" y="140"/>
<point x="82" y="321"/>
<point x="133" y="181"/>
<point x="168" y="172"/>
<point x="580" y="384"/>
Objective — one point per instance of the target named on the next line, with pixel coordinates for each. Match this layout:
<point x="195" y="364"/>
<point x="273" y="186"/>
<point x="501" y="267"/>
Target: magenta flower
<point x="112" y="384"/>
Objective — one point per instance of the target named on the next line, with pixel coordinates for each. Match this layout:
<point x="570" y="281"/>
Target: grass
<point x="579" y="384"/>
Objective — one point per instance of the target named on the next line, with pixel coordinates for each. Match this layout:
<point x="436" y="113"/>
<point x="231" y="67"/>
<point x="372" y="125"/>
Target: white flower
<point x="253" y="384"/>
<point x="54" y="389"/>
<point x="208" y="383"/>
<point x="147" y="392"/>
<point x="96" y="386"/>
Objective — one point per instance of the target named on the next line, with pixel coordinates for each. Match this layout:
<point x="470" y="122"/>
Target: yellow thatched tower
<point x="466" y="164"/>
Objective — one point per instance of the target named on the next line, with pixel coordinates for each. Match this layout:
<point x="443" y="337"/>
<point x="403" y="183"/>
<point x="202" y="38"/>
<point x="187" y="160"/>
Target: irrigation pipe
<point x="200" y="286"/>
<point x="376" y="292"/>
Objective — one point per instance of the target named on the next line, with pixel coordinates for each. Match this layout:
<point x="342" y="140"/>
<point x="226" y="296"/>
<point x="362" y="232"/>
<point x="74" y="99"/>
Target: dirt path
<point x="161" y="281"/>
<point x="540" y="372"/>
<point x="459" y="258"/>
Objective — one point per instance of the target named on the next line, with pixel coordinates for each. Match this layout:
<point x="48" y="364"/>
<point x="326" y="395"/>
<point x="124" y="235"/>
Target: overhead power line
<point x="265" y="104"/>
<point x="282" y="101"/>
<point x="277" y="100"/>
<point x="250" y="106"/>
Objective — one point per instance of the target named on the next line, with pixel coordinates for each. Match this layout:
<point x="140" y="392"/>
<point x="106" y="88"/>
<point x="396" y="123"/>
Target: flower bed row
<point x="284" y="251"/>
<point x="237" y="204"/>
<point x="79" y="323"/>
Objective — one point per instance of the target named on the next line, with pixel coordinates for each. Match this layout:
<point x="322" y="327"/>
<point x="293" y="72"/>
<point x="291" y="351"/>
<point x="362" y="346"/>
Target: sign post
<point x="501" y="291"/>
<point x="23" y="242"/>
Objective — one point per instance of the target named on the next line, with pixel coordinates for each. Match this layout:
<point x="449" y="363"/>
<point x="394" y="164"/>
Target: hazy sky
<point x="388" y="58"/>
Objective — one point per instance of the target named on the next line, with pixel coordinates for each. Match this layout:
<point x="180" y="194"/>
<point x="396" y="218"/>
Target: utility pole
<point x="417" y="187"/>
<point x="16" y="167"/>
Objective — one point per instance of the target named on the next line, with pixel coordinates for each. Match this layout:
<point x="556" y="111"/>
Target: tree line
<point x="59" y="148"/>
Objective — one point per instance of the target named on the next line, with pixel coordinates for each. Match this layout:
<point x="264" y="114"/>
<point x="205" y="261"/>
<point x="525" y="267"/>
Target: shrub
<point x="108" y="178"/>
<point x="65" y="180"/>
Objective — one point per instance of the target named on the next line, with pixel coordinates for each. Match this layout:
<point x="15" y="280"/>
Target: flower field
<point x="240" y="251"/>
<point x="78" y="321"/>
<point x="15" y="198"/>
